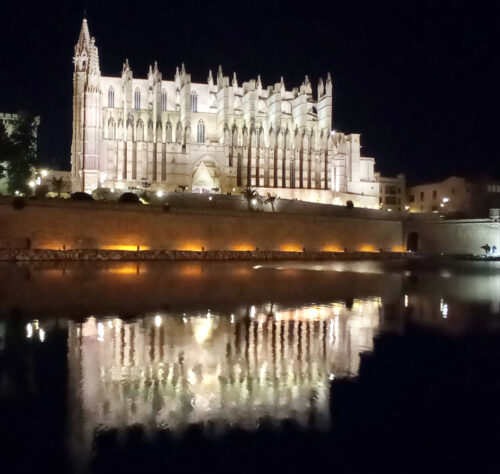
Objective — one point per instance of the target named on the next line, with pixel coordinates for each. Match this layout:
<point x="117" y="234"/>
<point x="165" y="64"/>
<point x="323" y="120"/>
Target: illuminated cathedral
<point x="218" y="136"/>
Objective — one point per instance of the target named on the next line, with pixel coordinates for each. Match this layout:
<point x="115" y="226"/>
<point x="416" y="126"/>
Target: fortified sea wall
<point x="455" y="237"/>
<point x="58" y="224"/>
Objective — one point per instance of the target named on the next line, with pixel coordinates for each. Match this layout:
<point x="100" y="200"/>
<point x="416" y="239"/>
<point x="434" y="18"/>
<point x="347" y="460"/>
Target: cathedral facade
<point x="214" y="137"/>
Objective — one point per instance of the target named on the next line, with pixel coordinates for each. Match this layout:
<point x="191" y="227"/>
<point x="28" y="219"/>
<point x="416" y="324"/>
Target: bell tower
<point x="86" y="110"/>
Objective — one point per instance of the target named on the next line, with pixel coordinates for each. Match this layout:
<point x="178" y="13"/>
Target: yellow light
<point x="368" y="248"/>
<point x="331" y="248"/>
<point x="127" y="248"/>
<point x="31" y="184"/>
<point x="398" y="248"/>
<point x="125" y="269"/>
<point x="191" y="246"/>
<point x="159" y="194"/>
<point x="291" y="248"/>
<point x="44" y="173"/>
<point x="243" y="248"/>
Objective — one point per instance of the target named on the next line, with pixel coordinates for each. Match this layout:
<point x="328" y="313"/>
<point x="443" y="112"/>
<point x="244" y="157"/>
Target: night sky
<point x="419" y="80"/>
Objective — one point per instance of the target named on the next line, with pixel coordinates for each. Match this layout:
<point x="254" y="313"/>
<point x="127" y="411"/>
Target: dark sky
<point x="419" y="80"/>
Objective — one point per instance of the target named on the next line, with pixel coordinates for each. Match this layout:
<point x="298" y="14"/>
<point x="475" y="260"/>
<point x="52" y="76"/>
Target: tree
<point x="22" y="153"/>
<point x="270" y="200"/>
<point x="251" y="194"/>
<point x="5" y="149"/>
<point x="57" y="185"/>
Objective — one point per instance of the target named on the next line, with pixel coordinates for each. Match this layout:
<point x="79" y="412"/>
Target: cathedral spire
<point x="84" y="38"/>
<point x="235" y="81"/>
<point x="210" y="79"/>
<point x="259" y="82"/>
<point x="220" y="78"/>
<point x="321" y="88"/>
<point x="328" y="88"/>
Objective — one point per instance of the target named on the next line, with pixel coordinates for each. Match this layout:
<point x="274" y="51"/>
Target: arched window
<point x="111" y="97"/>
<point x="137" y="99"/>
<point x="163" y="100"/>
<point x="194" y="101"/>
<point x="201" y="132"/>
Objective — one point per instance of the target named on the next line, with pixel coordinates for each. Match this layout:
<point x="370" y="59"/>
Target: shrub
<point x="18" y="203"/>
<point x="349" y="205"/>
<point x="129" y="198"/>
<point x="81" y="196"/>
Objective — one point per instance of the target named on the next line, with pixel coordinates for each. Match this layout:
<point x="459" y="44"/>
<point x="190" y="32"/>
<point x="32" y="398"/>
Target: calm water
<point x="246" y="367"/>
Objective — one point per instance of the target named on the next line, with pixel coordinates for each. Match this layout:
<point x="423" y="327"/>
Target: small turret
<point x="234" y="83"/>
<point x="220" y="78"/>
<point x="328" y="87"/>
<point x="210" y="79"/>
<point x="259" y="82"/>
<point x="321" y="88"/>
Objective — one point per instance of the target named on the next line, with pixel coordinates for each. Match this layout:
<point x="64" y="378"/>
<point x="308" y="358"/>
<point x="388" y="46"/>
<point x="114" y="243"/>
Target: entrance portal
<point x="412" y="242"/>
<point x="206" y="178"/>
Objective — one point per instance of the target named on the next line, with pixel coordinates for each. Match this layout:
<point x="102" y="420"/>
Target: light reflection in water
<point x="169" y="370"/>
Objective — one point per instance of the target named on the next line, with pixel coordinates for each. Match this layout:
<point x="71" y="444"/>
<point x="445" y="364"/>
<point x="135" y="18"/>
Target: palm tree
<point x="251" y="194"/>
<point x="270" y="200"/>
<point x="57" y="185"/>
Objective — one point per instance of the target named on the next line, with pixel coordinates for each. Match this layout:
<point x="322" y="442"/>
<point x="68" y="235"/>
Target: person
<point x="493" y="249"/>
<point x="486" y="248"/>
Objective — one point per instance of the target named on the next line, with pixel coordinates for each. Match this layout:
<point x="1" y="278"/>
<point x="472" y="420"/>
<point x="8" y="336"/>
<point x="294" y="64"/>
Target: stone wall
<point x="58" y="224"/>
<point x="465" y="236"/>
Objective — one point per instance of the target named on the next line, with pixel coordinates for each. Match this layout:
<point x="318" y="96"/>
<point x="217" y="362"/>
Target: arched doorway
<point x="206" y="178"/>
<point x="412" y="242"/>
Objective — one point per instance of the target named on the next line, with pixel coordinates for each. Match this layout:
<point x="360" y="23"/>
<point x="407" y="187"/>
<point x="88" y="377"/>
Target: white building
<point x="217" y="137"/>
<point x="392" y="192"/>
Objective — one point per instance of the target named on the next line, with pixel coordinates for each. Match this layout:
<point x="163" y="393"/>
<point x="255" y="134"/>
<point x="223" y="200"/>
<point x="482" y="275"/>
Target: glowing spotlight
<point x="41" y="335"/>
<point x="157" y="320"/>
<point x="44" y="173"/>
<point x="159" y="194"/>
<point x="29" y="330"/>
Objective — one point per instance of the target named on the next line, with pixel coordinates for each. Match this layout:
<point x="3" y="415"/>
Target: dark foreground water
<point x="240" y="367"/>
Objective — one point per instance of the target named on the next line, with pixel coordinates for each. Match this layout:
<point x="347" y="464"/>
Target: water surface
<point x="121" y="365"/>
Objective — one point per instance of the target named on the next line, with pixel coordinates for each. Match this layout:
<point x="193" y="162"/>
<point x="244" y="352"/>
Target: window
<point x="201" y="132"/>
<point x="137" y="99"/>
<point x="390" y="190"/>
<point x="399" y="190"/>
<point x="412" y="198"/>
<point x="194" y="101"/>
<point x="390" y="199"/>
<point x="434" y="194"/>
<point x="422" y="194"/>
<point x="111" y="97"/>
<point x="163" y="100"/>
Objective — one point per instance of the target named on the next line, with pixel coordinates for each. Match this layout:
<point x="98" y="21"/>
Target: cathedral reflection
<point x="171" y="370"/>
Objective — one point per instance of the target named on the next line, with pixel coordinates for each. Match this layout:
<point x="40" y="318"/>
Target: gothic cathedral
<point x="213" y="137"/>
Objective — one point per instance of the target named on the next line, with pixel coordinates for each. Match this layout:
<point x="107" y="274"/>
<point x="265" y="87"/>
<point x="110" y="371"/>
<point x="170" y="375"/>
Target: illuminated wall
<point x="70" y="225"/>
